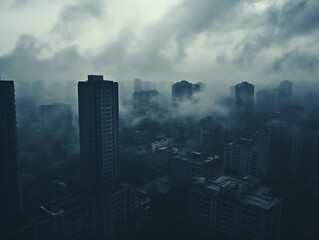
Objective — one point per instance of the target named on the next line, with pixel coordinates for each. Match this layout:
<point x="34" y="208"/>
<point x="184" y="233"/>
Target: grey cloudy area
<point x="227" y="41"/>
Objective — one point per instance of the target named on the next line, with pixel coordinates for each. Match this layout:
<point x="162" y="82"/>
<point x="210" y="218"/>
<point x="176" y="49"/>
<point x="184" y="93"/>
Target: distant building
<point x="181" y="90"/>
<point x="148" y="85"/>
<point x="99" y="132"/>
<point x="161" y="143"/>
<point x="10" y="195"/>
<point x="283" y="94"/>
<point x="138" y="85"/>
<point x="184" y="90"/>
<point x="145" y="99"/>
<point x="244" y="95"/>
<point x="240" y="158"/>
<point x="234" y="208"/>
<point x="184" y="166"/>
<point x="57" y="115"/>
<point x="197" y="87"/>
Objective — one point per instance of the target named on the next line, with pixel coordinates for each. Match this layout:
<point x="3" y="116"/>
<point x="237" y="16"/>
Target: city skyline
<point x="159" y="119"/>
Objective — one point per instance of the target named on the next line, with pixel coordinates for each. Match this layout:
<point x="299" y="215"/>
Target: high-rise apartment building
<point x="244" y="95"/>
<point x="10" y="200"/>
<point x="240" y="158"/>
<point x="181" y="90"/>
<point x="184" y="90"/>
<point x="234" y="208"/>
<point x="99" y="132"/>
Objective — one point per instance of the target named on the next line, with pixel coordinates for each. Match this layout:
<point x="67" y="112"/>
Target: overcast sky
<point x="160" y="40"/>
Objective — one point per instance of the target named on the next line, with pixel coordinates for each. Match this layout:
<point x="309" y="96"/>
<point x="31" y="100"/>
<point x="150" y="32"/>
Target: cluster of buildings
<point x="229" y="194"/>
<point x="184" y="90"/>
<point x="144" y="95"/>
<point x="103" y="207"/>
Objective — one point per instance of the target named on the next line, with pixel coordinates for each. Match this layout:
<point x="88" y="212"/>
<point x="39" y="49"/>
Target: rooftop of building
<point x="246" y="190"/>
<point x="97" y="79"/>
<point x="57" y="207"/>
<point x="199" y="158"/>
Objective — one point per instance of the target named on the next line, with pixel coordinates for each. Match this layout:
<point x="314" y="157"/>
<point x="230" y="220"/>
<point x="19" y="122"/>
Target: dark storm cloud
<point x="155" y="51"/>
<point x="164" y="43"/>
<point x="183" y="23"/>
<point x="74" y="16"/>
<point x="294" y="59"/>
<point x="290" y="29"/>
<point x="24" y="62"/>
<point x="295" y="18"/>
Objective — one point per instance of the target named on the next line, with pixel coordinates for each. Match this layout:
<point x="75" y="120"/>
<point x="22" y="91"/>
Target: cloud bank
<point x="205" y="40"/>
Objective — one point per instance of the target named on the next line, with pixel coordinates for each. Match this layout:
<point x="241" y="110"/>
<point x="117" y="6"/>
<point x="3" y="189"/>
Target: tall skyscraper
<point x="10" y="200"/>
<point x="244" y="95"/>
<point x="99" y="132"/>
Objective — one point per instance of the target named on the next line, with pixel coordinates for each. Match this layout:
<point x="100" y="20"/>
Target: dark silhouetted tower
<point x="283" y="94"/>
<point x="244" y="95"/>
<point x="99" y="131"/>
<point x="10" y="200"/>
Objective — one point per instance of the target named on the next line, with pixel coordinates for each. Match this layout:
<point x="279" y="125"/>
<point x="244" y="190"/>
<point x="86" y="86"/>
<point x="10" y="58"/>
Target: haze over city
<point x="159" y="119"/>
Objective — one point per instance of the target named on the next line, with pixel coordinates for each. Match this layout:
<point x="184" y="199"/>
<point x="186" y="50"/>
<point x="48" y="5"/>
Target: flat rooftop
<point x="250" y="191"/>
<point x="196" y="157"/>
